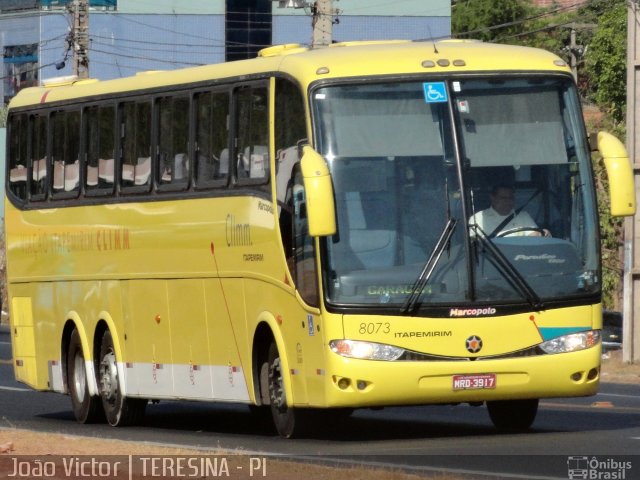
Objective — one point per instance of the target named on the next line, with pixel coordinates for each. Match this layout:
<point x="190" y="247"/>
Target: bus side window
<point x="173" y="140"/>
<point x="100" y="150"/>
<point x="18" y="138"/>
<point x="252" y="135"/>
<point x="302" y="257"/>
<point x="38" y="181"/>
<point x="65" y="141"/>
<point x="135" y="167"/>
<point x="290" y="128"/>
<point x="212" y="139"/>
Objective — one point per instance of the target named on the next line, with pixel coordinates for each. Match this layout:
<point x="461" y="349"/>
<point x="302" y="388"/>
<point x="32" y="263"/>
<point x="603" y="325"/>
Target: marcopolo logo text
<point x="472" y="312"/>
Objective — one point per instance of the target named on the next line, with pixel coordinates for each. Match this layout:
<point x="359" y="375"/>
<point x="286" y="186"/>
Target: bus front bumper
<point x="365" y="383"/>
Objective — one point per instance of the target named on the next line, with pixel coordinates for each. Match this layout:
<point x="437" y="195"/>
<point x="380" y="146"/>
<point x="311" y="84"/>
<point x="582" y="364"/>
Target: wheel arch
<point x="267" y="331"/>
<point x="74" y="322"/>
<point x="106" y="323"/>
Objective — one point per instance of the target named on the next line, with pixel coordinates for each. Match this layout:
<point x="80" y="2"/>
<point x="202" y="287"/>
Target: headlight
<point x="572" y="342"/>
<point x="365" y="350"/>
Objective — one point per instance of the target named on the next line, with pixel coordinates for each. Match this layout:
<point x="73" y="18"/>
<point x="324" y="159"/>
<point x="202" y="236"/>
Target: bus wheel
<point x="120" y="410"/>
<point x="284" y="417"/>
<point x="513" y="415"/>
<point x="86" y="408"/>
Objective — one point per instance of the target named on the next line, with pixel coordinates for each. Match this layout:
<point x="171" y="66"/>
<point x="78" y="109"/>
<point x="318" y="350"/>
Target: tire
<point x="513" y="415"/>
<point x="86" y="408"/>
<point x="285" y="418"/>
<point x="119" y="410"/>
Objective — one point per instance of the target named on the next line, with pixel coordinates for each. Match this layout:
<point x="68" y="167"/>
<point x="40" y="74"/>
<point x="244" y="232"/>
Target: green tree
<point x="487" y="20"/>
<point x="606" y="59"/>
<point x="605" y="78"/>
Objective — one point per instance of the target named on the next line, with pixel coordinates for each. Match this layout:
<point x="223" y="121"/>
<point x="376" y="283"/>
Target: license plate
<point x="474" y="382"/>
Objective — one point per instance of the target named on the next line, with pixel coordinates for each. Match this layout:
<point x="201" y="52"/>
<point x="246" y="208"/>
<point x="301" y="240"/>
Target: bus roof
<point x="340" y="60"/>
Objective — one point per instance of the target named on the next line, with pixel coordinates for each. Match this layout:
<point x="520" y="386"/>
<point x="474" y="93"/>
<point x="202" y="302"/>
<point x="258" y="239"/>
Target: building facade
<point x="128" y="36"/>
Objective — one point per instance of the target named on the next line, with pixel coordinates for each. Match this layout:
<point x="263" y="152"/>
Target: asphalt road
<point x="418" y="439"/>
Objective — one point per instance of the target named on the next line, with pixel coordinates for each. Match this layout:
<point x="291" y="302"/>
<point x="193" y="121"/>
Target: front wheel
<point x="513" y="415"/>
<point x="285" y="417"/>
<point x="120" y="410"/>
<point x="86" y="408"/>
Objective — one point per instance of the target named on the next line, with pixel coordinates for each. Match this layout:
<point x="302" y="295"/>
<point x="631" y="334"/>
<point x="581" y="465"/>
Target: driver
<point x="502" y="217"/>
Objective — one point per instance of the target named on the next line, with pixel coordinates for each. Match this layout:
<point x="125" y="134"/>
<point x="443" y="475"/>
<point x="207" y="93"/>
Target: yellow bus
<point x="302" y="232"/>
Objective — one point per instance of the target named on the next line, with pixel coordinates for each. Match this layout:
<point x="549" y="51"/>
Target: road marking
<point x="576" y="406"/>
<point x="15" y="389"/>
<point x="621" y="395"/>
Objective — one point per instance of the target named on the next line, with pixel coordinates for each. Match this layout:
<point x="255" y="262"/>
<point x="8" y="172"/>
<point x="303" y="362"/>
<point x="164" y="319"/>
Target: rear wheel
<point x="86" y="408"/>
<point x="513" y="415"/>
<point x="120" y="410"/>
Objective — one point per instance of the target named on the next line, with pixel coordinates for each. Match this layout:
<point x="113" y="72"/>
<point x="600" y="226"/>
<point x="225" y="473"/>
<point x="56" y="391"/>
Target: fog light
<point x="593" y="374"/>
<point x="344" y="383"/>
<point x="576" y="376"/>
<point x="361" y="384"/>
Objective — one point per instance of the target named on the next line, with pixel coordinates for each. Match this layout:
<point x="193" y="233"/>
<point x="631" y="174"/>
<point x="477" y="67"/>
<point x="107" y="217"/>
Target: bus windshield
<point x="503" y="163"/>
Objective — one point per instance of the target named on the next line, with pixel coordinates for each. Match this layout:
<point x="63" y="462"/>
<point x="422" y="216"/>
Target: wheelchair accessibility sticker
<point x="435" y="92"/>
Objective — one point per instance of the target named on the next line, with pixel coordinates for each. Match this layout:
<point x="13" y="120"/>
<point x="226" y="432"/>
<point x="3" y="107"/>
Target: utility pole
<point x="573" y="51"/>
<point x="322" y="23"/>
<point x="576" y="51"/>
<point x="631" y="276"/>
<point x="80" y="37"/>
<point x="322" y="18"/>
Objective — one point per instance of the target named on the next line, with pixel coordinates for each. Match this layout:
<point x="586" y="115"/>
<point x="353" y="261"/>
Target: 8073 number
<point x="370" y="328"/>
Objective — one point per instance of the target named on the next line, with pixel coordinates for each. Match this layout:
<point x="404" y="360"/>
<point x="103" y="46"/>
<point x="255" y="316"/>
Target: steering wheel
<point x="511" y="231"/>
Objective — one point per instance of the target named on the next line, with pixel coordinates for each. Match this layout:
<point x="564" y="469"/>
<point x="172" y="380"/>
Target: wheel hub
<point x="79" y="377"/>
<point x="109" y="377"/>
<point x="276" y="387"/>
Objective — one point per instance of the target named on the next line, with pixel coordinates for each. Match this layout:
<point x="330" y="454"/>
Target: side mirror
<point x="318" y="193"/>
<point x="621" y="185"/>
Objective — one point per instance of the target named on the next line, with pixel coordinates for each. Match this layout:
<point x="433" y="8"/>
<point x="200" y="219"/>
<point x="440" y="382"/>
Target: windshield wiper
<point x="422" y="280"/>
<point x="509" y="272"/>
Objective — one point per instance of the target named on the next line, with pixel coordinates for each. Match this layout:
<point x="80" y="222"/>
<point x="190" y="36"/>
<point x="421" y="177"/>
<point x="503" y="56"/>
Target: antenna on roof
<point x="433" y="41"/>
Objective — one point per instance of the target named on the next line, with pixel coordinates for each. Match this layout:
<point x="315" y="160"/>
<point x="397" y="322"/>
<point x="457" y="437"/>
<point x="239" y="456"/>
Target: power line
<point x="542" y="29"/>
<point x="148" y="42"/>
<point x="587" y="17"/>
<point x="557" y="10"/>
<point x="150" y="59"/>
<point x="35" y="69"/>
<point x="522" y="20"/>
<point x="182" y="50"/>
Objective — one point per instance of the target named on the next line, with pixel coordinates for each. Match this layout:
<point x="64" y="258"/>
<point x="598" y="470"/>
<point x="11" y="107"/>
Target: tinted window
<point x="212" y="138"/>
<point x="65" y="146"/>
<point x="100" y="141"/>
<point x="135" y="169"/>
<point x="18" y="137"/>
<point x="173" y="152"/>
<point x="252" y="134"/>
<point x="38" y="156"/>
